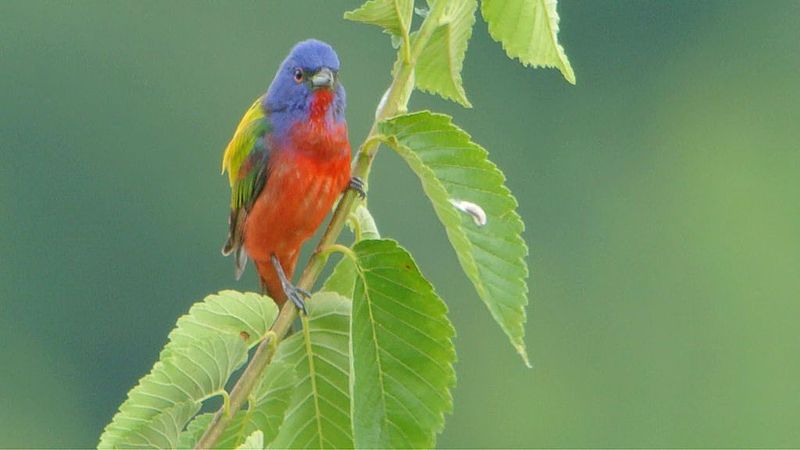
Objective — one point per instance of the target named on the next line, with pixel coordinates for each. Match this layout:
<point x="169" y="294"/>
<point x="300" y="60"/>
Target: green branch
<point x="394" y="101"/>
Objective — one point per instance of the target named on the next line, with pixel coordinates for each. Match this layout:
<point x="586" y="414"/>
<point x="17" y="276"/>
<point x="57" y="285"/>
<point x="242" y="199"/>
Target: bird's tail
<point x="235" y="241"/>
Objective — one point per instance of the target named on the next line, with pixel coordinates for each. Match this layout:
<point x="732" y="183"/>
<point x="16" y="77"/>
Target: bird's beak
<point x="323" y="78"/>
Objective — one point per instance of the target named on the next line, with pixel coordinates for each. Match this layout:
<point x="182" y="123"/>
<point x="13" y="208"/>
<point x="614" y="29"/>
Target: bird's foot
<point x="296" y="294"/>
<point x="357" y="184"/>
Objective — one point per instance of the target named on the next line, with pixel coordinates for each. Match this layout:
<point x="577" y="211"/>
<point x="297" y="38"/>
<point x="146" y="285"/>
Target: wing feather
<point x="246" y="161"/>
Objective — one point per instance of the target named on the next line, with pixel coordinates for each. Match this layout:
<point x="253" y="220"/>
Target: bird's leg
<point x="293" y="293"/>
<point x="357" y="184"/>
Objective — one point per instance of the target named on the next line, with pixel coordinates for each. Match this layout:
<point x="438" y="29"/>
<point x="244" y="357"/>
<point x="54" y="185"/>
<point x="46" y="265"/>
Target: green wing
<point x="245" y="160"/>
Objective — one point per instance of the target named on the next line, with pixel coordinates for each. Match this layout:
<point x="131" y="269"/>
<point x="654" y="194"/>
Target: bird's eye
<point x="298" y="75"/>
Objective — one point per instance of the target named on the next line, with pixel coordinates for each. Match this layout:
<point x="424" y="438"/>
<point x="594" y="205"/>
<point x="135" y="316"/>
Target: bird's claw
<point x="297" y="295"/>
<point x="292" y="292"/>
<point x="357" y="184"/>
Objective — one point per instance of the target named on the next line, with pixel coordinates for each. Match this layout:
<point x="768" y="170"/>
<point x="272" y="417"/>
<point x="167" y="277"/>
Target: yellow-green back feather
<point x="244" y="138"/>
<point x="246" y="155"/>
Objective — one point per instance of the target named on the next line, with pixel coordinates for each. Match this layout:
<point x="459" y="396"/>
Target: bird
<point x="287" y="163"/>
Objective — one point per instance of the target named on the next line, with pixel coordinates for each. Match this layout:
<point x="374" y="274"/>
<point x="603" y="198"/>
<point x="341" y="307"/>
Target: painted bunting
<point x="288" y="161"/>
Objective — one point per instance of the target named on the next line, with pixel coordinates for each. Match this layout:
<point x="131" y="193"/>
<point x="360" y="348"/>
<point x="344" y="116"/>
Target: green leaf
<point x="246" y="315"/>
<point x="204" y="349"/>
<point x="528" y="31"/>
<point x="265" y="414"/>
<point x="452" y="168"/>
<point x="438" y="69"/>
<point x="403" y="351"/>
<point x="318" y="415"/>
<point x="254" y="441"/>
<point x="171" y="393"/>
<point x="198" y="425"/>
<point x="394" y="16"/>
<point x="162" y="429"/>
<point x="271" y="399"/>
<point x="343" y="278"/>
<point x="363" y="223"/>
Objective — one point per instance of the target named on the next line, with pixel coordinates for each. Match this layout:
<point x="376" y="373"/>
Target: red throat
<point x="320" y="102"/>
<point x="320" y="136"/>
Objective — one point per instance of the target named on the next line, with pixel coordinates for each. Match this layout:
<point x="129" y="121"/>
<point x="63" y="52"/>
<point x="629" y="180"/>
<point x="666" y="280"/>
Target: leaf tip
<point x="568" y="73"/>
<point x="523" y="353"/>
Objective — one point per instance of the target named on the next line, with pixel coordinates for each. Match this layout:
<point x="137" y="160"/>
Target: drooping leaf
<point x="528" y="31"/>
<point x="265" y="414"/>
<point x="403" y="352"/>
<point x="438" y="69"/>
<point x="343" y="278"/>
<point x="394" y="16"/>
<point x="318" y="415"/>
<point x="206" y="347"/>
<point x="452" y="168"/>
<point x="172" y="391"/>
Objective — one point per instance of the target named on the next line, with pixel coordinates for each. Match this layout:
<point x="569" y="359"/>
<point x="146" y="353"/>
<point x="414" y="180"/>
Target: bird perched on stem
<point x="288" y="161"/>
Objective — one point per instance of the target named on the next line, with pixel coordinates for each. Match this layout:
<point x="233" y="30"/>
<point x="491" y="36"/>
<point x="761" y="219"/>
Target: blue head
<point x="311" y="66"/>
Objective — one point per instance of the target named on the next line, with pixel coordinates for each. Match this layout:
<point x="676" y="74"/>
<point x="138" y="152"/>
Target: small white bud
<point x="473" y="209"/>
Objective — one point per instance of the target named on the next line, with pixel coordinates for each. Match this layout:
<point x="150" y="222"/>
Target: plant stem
<point x="396" y="100"/>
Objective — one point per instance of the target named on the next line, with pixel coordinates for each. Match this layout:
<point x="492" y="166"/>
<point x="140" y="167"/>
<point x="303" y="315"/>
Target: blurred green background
<point x="661" y="196"/>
